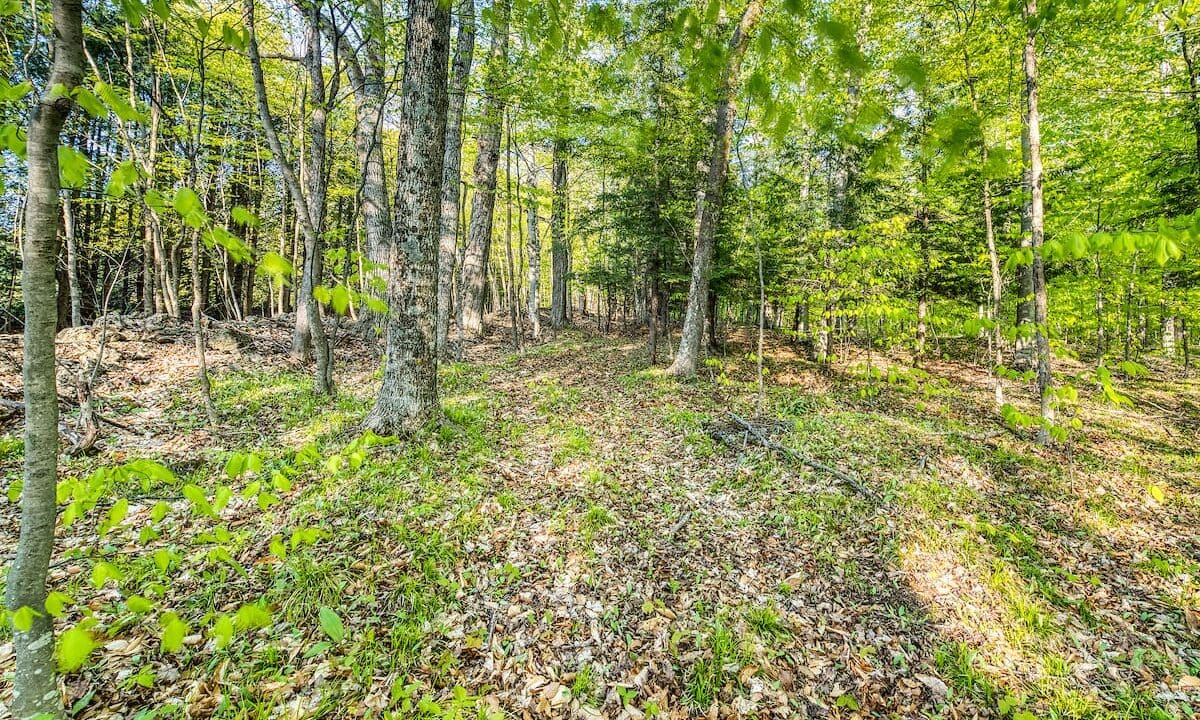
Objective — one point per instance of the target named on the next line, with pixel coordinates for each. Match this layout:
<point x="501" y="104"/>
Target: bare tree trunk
<point x="452" y="167"/>
<point x="534" y="244"/>
<point x="309" y="214"/>
<point x="476" y="255"/>
<point x="210" y="410"/>
<point x="35" y="690"/>
<point x="513" y="303"/>
<point x="75" y="290"/>
<point x="709" y="211"/>
<point x="366" y="74"/>
<point x="1036" y="215"/>
<point x="560" y="293"/>
<point x="408" y="396"/>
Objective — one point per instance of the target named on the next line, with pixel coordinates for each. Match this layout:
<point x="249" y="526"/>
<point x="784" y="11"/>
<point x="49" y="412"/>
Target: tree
<point x="408" y="396"/>
<point x="309" y="202"/>
<point x="1035" y="214"/>
<point x="478" y="244"/>
<point x="710" y="197"/>
<point x="452" y="170"/>
<point x="35" y="689"/>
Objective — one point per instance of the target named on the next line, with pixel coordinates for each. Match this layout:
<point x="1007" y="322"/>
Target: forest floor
<point x="571" y="541"/>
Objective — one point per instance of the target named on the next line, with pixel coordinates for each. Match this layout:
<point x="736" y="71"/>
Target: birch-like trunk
<point x="1036" y="220"/>
<point x="35" y="690"/>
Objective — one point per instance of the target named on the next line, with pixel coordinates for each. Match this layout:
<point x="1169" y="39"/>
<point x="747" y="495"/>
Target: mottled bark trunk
<point x="559" y="247"/>
<point x="474" y="271"/>
<point x="35" y="691"/>
<point x="452" y="168"/>
<point x="709" y="211"/>
<point x="1036" y="215"/>
<point x="408" y="396"/>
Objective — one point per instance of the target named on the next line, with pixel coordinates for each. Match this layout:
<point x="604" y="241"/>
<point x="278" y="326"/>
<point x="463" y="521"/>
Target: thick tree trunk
<point x="560" y="293"/>
<point x="452" y="168"/>
<point x="709" y="211"/>
<point x="35" y="690"/>
<point x="1036" y="215"/>
<point x="474" y="272"/>
<point x="408" y="397"/>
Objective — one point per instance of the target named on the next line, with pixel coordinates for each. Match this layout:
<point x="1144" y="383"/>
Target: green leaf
<point x="72" y="167"/>
<point x="274" y="265"/>
<point x="340" y="299"/>
<point x="243" y="216"/>
<point x="331" y="624"/>
<point x="195" y="495"/>
<point x="252" y="616"/>
<point x="222" y="630"/>
<point x="105" y="571"/>
<point x="74" y="647"/>
<point x="174" y="631"/>
<point x="186" y="201"/>
<point x="138" y="605"/>
<point x="56" y="603"/>
<point x="89" y="102"/>
<point x="116" y="514"/>
<point x="23" y="618"/>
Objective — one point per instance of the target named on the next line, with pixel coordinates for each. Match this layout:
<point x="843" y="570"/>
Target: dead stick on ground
<point x="815" y="465"/>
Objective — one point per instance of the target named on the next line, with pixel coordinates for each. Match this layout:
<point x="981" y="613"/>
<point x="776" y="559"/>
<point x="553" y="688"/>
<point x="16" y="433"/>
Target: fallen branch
<point x="809" y="462"/>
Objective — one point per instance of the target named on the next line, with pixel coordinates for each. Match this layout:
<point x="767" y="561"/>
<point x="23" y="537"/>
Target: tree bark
<point x="534" y="249"/>
<point x="1036" y="215"/>
<point x="474" y="270"/>
<point x="560" y="293"/>
<point x="76" y="292"/>
<point x="452" y="168"/>
<point x="35" y="690"/>
<point x="309" y="214"/>
<point x="709" y="211"/>
<point x="408" y="396"/>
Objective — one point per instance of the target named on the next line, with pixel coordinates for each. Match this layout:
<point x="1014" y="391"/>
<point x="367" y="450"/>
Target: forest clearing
<point x="573" y="540"/>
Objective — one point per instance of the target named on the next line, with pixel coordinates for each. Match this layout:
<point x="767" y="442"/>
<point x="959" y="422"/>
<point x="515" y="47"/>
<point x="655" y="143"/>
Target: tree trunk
<point x="712" y="195"/>
<point x="309" y="215"/>
<point x="35" y="690"/>
<point x="534" y="244"/>
<point x="1036" y="215"/>
<point x="366" y="75"/>
<point x="408" y="396"/>
<point x="559" y="290"/>
<point x="452" y="168"/>
<point x="76" y="292"/>
<point x="476" y="255"/>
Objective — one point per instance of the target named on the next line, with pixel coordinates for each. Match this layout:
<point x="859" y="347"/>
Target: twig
<point x="814" y="464"/>
<point x="678" y="526"/>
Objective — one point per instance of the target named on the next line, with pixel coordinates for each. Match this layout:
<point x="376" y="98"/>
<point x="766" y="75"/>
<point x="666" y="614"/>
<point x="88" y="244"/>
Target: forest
<point x="451" y="359"/>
